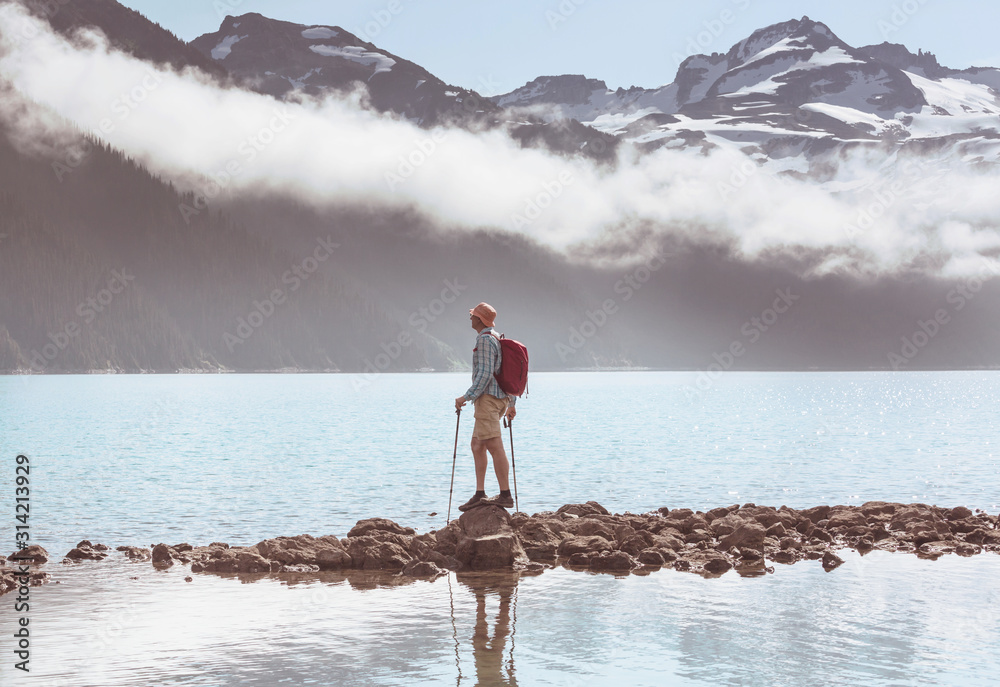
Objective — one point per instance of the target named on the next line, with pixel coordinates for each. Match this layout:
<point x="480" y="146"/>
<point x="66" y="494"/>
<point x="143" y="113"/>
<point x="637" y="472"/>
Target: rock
<point x="252" y="562"/>
<point x="587" y="527"/>
<point x="583" y="509"/>
<point x="303" y="549"/>
<point x="593" y="544"/>
<point x="814" y="552"/>
<point x="964" y="526"/>
<point x="679" y="514"/>
<point x="422" y="569"/>
<point x="879" y="533"/>
<point x="814" y="515"/>
<point x="908" y="514"/>
<point x="30" y="555"/>
<point x="846" y="519"/>
<point x="755" y="568"/>
<point x="612" y="561"/>
<point x="493" y="552"/>
<point x="831" y="561"/>
<point x="936" y="548"/>
<point x="161" y="556"/>
<point x="135" y="553"/>
<point x="695" y="523"/>
<point x="725" y="524"/>
<point x="87" y="551"/>
<point x="786" y="557"/>
<point x="965" y="549"/>
<point x="539" y="541"/>
<point x="776" y="530"/>
<point x="485" y="521"/>
<point x="765" y="516"/>
<point x="633" y="545"/>
<point x="182" y="548"/>
<point x="790" y="543"/>
<point x="333" y="559"/>
<point x="11" y="580"/>
<point x="487" y="541"/>
<point x="817" y="534"/>
<point x="978" y="537"/>
<point x="652" y="557"/>
<point x="668" y="541"/>
<point x="444" y="562"/>
<point x="717" y="566"/>
<point x="189" y="579"/>
<point x="364" y="527"/>
<point x="959" y="513"/>
<point x="872" y="509"/>
<point x="369" y="553"/>
<point x="697" y="536"/>
<point x="748" y="534"/>
<point x="447" y="538"/>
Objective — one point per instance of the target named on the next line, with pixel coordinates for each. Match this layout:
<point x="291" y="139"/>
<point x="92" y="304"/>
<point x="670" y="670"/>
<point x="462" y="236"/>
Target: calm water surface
<point x="139" y="460"/>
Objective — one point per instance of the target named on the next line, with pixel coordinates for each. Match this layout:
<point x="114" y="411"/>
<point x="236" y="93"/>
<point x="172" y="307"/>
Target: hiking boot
<point x="504" y="501"/>
<point x="472" y="503"/>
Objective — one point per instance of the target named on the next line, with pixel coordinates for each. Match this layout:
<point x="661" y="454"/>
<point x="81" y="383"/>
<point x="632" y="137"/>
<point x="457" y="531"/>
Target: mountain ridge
<point x="793" y="84"/>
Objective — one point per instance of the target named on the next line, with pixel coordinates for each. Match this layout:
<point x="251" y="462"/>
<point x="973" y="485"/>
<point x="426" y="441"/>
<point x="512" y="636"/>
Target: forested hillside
<point x="100" y="270"/>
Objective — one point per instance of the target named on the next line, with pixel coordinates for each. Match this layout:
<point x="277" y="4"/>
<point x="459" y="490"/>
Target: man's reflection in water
<point x="488" y="651"/>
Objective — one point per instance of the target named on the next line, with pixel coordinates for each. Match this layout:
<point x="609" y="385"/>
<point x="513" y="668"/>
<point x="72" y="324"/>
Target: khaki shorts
<point x="489" y="410"/>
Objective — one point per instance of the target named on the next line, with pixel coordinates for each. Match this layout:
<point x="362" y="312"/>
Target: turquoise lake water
<point x="239" y="458"/>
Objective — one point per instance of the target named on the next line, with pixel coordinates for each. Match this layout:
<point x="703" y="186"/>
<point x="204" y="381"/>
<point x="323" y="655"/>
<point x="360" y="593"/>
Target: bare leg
<point x="500" y="465"/>
<point x="479" y="455"/>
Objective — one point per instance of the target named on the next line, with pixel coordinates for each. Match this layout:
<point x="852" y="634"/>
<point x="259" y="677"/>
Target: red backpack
<point x="513" y="374"/>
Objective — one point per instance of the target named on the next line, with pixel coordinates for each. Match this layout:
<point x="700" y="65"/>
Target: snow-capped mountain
<point x="788" y="88"/>
<point x="278" y="57"/>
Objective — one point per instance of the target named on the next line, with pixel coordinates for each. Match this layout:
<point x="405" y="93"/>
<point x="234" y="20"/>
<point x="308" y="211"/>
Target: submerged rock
<point x="30" y="555"/>
<point x="87" y="551"/>
<point x="135" y="553"/>
<point x="161" y="556"/>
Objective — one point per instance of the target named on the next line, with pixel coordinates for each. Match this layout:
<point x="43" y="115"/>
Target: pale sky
<point x="499" y="46"/>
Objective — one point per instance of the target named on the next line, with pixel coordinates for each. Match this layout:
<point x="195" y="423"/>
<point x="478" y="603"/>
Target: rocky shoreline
<point x="583" y="536"/>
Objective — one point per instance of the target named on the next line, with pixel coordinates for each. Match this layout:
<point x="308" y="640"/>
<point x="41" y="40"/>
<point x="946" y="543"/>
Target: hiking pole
<point x="509" y="422"/>
<point x="454" y="457"/>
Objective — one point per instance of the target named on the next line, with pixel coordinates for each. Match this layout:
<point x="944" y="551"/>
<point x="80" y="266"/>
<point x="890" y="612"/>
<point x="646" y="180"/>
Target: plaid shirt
<point x="486" y="359"/>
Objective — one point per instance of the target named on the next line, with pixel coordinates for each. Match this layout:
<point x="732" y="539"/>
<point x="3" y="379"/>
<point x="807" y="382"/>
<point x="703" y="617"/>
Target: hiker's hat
<point x="485" y="312"/>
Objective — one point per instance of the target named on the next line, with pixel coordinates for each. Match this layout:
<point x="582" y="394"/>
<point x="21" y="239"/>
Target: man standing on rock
<point x="491" y="403"/>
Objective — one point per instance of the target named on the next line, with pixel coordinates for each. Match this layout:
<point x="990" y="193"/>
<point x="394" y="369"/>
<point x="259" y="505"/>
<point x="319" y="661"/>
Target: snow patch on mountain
<point x="856" y="118"/>
<point x="301" y="81"/>
<point x="222" y="50"/>
<point x="957" y="96"/>
<point x="320" y="32"/>
<point x="357" y="54"/>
